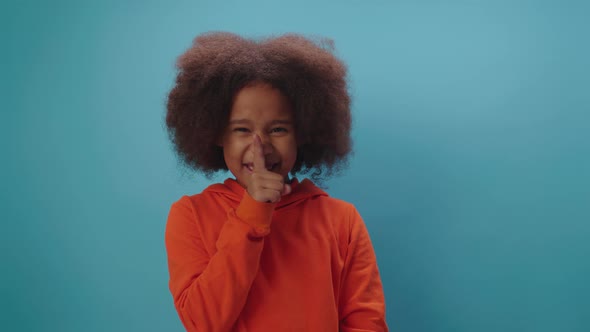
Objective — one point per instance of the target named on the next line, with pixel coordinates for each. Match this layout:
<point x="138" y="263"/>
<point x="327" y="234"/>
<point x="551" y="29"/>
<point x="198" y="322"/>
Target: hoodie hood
<point x="300" y="191"/>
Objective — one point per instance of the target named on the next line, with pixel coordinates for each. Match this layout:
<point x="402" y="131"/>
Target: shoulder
<point x="340" y="214"/>
<point x="188" y="201"/>
<point x="210" y="195"/>
<point x="213" y="203"/>
<point x="335" y="203"/>
<point x="183" y="208"/>
<point x="196" y="204"/>
<point x="313" y="194"/>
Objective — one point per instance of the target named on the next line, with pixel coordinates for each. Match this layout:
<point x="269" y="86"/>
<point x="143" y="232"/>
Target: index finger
<point x="258" y="161"/>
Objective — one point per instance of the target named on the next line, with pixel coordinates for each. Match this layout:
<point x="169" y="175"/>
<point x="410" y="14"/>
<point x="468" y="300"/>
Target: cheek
<point x="290" y="151"/>
<point x="234" y="149"/>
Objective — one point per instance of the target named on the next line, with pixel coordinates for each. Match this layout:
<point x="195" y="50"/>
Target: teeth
<point x="250" y="167"/>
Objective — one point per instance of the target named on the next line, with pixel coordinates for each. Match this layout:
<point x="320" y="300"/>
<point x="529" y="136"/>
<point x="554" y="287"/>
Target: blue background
<point x="471" y="165"/>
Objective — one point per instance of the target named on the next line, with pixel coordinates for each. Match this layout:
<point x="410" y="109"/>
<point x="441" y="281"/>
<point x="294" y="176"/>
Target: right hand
<point x="264" y="185"/>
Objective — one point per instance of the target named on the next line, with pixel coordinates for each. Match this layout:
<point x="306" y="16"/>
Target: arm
<point x="210" y="292"/>
<point x="362" y="303"/>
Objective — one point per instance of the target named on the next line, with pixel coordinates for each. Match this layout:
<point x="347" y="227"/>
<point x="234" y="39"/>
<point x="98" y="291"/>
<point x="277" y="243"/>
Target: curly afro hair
<point x="218" y="65"/>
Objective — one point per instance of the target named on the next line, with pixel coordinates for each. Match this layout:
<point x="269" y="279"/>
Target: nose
<point x="267" y="147"/>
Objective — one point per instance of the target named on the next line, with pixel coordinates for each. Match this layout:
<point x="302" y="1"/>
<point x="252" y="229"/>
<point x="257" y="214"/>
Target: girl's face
<point x="259" y="109"/>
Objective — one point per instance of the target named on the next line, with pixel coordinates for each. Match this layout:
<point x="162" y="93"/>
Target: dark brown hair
<point x="218" y="65"/>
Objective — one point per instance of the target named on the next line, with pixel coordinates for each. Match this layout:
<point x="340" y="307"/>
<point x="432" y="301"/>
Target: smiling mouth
<point x="269" y="167"/>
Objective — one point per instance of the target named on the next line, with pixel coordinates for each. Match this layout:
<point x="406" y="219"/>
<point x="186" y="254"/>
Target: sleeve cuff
<point x="257" y="214"/>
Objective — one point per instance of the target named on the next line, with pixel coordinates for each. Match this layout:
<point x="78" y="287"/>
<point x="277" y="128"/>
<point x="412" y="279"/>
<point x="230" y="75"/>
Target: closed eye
<point x="241" y="129"/>
<point x="279" y="130"/>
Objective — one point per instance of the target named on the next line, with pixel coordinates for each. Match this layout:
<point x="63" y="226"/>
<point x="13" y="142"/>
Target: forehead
<point x="261" y="100"/>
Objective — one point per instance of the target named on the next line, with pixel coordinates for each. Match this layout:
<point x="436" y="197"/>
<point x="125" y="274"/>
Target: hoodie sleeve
<point x="210" y="291"/>
<point x="361" y="303"/>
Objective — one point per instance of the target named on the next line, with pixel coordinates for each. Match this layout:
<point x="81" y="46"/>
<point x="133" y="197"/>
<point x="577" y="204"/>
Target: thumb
<point x="286" y="189"/>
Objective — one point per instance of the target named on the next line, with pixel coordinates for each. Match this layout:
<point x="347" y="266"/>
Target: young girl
<point x="264" y="251"/>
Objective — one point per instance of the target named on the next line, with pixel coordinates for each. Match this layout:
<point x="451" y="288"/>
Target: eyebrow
<point x="245" y="121"/>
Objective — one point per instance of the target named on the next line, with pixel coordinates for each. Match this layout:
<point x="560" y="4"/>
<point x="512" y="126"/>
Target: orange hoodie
<point x="305" y="263"/>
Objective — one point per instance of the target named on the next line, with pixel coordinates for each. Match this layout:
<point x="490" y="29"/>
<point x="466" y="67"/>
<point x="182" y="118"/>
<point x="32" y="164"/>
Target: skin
<point x="259" y="144"/>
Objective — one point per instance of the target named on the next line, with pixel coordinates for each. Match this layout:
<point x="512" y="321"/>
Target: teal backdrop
<point x="471" y="165"/>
